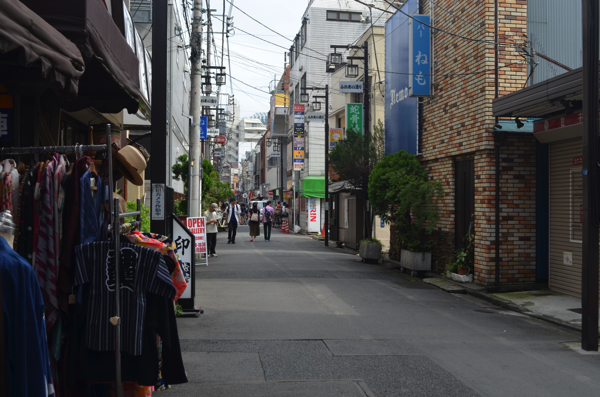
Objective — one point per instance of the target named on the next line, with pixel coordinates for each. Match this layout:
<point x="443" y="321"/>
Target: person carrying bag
<point x="254" y="222"/>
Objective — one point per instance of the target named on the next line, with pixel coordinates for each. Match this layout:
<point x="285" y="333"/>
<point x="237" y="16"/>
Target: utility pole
<point x="195" y="185"/>
<point x="366" y="90"/>
<point x="160" y="11"/>
<point x="589" y="273"/>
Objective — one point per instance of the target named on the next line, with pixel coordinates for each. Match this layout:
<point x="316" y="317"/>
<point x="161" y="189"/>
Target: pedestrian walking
<point x="254" y="222"/>
<point x="243" y="212"/>
<point x="233" y="220"/>
<point x="211" y="229"/>
<point x="268" y="213"/>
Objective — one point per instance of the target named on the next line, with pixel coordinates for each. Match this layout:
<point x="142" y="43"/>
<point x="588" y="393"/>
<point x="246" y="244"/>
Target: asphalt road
<point x="293" y="318"/>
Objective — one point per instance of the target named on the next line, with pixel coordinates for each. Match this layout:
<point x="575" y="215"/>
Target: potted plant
<point x="460" y="269"/>
<point x="370" y="250"/>
<point x="401" y="191"/>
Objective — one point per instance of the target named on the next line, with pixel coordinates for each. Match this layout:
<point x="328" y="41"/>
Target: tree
<point x="181" y="173"/>
<point x="400" y="190"/>
<point x="354" y="159"/>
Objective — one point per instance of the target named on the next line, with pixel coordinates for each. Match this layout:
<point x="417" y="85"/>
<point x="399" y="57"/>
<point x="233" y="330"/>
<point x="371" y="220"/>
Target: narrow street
<point x="293" y="318"/>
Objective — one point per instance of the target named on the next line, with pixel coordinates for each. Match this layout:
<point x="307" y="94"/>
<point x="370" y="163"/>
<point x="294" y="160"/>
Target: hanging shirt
<point x="166" y="248"/>
<point x="46" y="260"/>
<point x="26" y="348"/>
<point x="142" y="271"/>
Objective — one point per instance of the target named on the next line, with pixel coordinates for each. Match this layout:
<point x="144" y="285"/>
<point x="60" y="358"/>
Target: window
<point x="344" y="16"/>
<point x="303" y="34"/>
<point x="292" y="56"/>
<point x="303" y="83"/>
<point x="297" y="46"/>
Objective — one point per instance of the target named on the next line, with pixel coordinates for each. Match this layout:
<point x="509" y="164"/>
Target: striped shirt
<point x="142" y="270"/>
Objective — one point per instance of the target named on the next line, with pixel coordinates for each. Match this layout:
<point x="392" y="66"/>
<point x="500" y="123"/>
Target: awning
<point x="33" y="55"/>
<point x="558" y="95"/>
<point x="111" y="79"/>
<point x="313" y="186"/>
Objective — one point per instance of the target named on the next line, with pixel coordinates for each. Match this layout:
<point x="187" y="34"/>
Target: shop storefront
<point x="556" y="106"/>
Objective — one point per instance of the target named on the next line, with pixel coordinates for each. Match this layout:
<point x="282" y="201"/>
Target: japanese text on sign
<point x="354" y="117"/>
<point x="158" y="201"/>
<point x="419" y="56"/>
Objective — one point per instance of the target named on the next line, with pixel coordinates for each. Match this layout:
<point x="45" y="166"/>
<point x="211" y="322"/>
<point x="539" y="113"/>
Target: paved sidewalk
<point x="544" y="304"/>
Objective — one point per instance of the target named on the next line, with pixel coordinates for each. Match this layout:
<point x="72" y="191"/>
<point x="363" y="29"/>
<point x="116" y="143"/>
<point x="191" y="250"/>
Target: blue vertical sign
<point x="401" y="116"/>
<point x="203" y="127"/>
<point x="419" y="56"/>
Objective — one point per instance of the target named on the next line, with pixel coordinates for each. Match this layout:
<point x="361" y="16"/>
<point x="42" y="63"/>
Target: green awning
<point x="313" y="186"/>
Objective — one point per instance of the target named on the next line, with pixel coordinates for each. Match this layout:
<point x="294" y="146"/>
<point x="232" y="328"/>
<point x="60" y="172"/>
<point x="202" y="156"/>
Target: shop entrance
<point x="464" y="207"/>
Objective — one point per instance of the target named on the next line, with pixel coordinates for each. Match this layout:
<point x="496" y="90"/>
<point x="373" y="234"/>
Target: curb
<point x="520" y="309"/>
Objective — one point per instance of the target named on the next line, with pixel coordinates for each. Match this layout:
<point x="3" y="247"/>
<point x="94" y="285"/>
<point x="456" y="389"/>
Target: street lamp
<point x="316" y="106"/>
<point x="304" y="97"/>
<point x="351" y="70"/>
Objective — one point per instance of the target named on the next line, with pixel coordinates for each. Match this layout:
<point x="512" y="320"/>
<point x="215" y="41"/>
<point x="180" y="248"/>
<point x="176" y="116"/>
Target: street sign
<point x="218" y="153"/>
<point x="158" y="202"/>
<point x="351" y="87"/>
<point x="198" y="228"/>
<point x="221" y="139"/>
<point x="245" y="195"/>
<point x="270" y="192"/>
<point x="315" y="116"/>
<point x="210" y="101"/>
<point x="275" y="154"/>
<point x="213" y="131"/>
<point x="354" y="117"/>
<point x="203" y="127"/>
<point x="298" y="164"/>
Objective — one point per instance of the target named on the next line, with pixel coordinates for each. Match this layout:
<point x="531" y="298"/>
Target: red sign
<point x="577" y="160"/>
<point x="251" y="195"/>
<point x="298" y="108"/>
<point x="558" y="122"/>
<point x="270" y="192"/>
<point x="221" y="139"/>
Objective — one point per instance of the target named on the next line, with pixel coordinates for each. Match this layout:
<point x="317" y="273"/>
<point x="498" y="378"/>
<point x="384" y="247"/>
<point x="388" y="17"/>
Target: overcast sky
<point x="284" y="17"/>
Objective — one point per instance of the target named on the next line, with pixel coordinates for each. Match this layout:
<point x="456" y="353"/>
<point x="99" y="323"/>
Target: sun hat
<point x="215" y="206"/>
<point x="130" y="162"/>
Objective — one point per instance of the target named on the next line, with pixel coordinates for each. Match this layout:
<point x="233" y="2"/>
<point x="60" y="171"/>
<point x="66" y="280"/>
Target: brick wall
<point x="458" y="124"/>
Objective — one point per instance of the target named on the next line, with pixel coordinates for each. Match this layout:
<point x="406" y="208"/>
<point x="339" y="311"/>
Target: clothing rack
<point x="114" y="219"/>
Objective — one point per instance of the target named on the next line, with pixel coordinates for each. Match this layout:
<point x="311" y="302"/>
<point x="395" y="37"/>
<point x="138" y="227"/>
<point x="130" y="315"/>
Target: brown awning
<point x="35" y="56"/>
<point x="111" y="80"/>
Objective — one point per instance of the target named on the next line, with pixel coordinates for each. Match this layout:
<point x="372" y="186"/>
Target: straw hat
<point x="130" y="162"/>
<point x="122" y="203"/>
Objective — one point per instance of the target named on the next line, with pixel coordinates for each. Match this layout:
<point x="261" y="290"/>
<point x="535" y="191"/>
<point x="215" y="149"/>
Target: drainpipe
<point x="497" y="146"/>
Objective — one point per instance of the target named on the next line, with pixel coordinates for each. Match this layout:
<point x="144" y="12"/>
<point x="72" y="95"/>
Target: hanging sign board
<point x="298" y="164"/>
<point x="213" y="131"/>
<point x="203" y="127"/>
<point x="158" y="202"/>
<point x="419" y="55"/>
<point x="298" y="153"/>
<point x="185" y="241"/>
<point x="210" y="101"/>
<point x="198" y="228"/>
<point x="315" y="116"/>
<point x="351" y="87"/>
<point x="335" y="135"/>
<point x="354" y="117"/>
<point x="299" y="119"/>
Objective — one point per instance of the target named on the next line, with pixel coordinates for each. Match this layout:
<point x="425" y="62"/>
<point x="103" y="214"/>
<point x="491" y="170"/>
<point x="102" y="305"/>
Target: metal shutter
<point x="565" y="226"/>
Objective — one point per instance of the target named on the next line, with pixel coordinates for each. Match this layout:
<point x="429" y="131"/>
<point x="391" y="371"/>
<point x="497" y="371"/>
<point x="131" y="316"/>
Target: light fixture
<point x="208" y="88"/>
<point x="352" y="71"/>
<point x="304" y="97"/>
<point x="268" y="142"/>
<point x="519" y="123"/>
<point x="331" y="67"/>
<point x="220" y="78"/>
<point x="316" y="106"/>
<point x="335" y="58"/>
<point x="211" y="123"/>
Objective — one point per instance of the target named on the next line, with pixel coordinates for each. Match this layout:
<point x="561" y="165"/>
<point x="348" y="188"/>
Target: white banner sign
<point x="315" y="117"/>
<point x="158" y="202"/>
<point x="275" y="154"/>
<point x="198" y="228"/>
<point x="211" y="101"/>
<point x="351" y="87"/>
<point x="213" y="131"/>
<point x="183" y="242"/>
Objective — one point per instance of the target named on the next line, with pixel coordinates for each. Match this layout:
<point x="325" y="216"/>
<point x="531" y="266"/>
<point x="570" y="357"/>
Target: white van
<point x="261" y="204"/>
